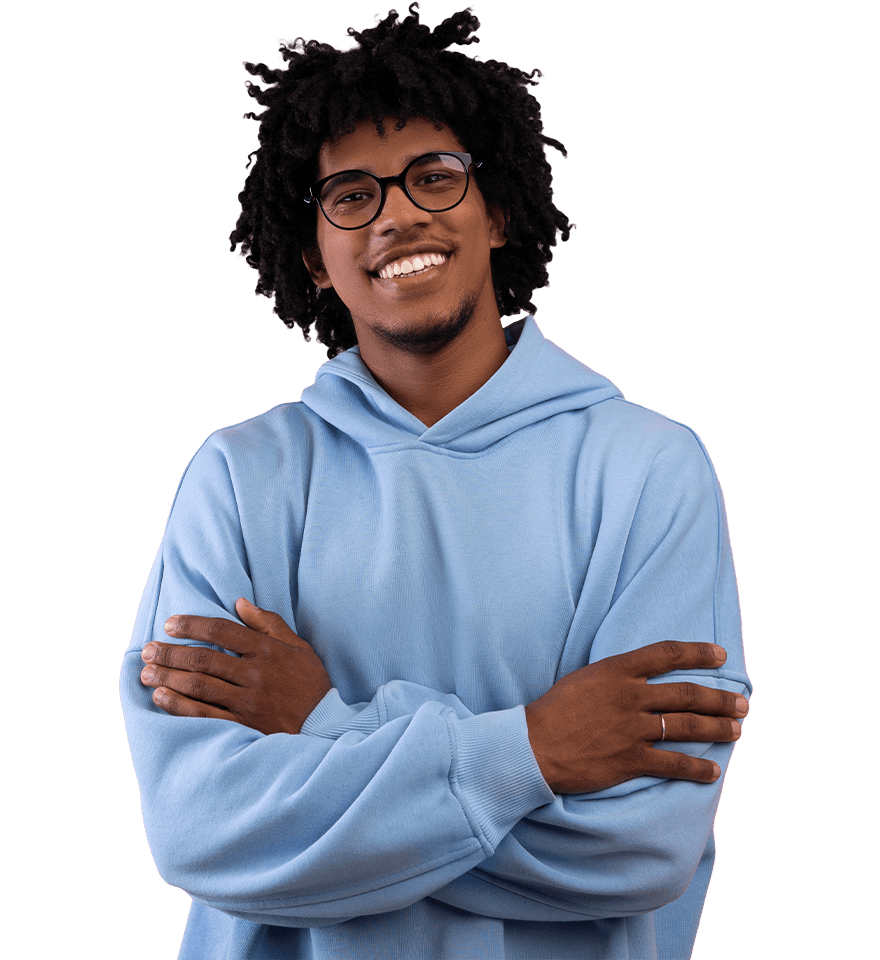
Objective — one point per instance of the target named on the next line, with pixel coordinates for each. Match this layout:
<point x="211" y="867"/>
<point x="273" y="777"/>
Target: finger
<point x="179" y="706"/>
<point x="193" y="659"/>
<point x="266" y="622"/>
<point x="222" y="633"/>
<point x="193" y="686"/>
<point x="658" y="658"/>
<point x="692" y="728"/>
<point x="691" y="697"/>
<point x="679" y="766"/>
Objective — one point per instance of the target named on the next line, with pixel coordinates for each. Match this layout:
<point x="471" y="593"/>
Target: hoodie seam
<point x="423" y="447"/>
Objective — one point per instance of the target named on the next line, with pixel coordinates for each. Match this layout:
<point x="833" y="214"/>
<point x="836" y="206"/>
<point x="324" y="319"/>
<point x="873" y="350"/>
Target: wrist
<point x="538" y="743"/>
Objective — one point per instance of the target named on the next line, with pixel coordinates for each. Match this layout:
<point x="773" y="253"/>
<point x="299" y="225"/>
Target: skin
<point x="428" y="384"/>
<point x="594" y="728"/>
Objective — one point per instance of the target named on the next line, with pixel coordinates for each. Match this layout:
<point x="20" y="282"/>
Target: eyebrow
<point x="408" y="159"/>
<point x="347" y="176"/>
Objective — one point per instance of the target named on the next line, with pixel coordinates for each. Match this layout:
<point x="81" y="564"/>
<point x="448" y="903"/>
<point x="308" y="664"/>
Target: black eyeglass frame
<point x="400" y="180"/>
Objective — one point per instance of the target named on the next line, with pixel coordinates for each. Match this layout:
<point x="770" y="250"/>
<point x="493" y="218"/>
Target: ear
<point x="315" y="265"/>
<point x="497" y="227"/>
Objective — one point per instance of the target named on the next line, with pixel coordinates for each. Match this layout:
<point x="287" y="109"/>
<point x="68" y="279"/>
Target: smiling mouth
<point x="411" y="266"/>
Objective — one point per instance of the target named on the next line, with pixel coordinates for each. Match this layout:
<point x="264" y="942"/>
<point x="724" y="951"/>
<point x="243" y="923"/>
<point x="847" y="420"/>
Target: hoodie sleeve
<point x="636" y="847"/>
<point x="307" y="830"/>
<point x="376" y="806"/>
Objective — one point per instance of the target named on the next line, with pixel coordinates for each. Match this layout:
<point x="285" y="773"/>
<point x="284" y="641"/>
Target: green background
<point x="722" y="176"/>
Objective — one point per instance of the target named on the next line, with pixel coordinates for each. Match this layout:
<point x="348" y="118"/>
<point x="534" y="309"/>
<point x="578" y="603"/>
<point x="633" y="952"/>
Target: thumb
<point x="265" y="622"/>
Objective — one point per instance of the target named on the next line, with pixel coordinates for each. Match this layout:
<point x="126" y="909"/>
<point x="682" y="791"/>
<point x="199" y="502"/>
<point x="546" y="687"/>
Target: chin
<point x="433" y="333"/>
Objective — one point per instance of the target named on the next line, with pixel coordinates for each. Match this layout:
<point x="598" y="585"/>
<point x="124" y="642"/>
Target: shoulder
<point x="651" y="472"/>
<point x="644" y="440"/>
<point x="282" y="435"/>
<point x="274" y="446"/>
<point x="284" y="425"/>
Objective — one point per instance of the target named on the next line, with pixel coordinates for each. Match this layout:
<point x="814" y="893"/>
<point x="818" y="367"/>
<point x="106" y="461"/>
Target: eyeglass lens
<point x="435" y="182"/>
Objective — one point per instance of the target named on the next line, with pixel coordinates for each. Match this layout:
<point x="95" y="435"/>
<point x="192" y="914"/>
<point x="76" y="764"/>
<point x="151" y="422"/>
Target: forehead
<point x="364" y="149"/>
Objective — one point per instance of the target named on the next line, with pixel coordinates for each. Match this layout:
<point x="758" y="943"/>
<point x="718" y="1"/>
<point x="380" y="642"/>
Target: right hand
<point x="595" y="727"/>
<point x="272" y="687"/>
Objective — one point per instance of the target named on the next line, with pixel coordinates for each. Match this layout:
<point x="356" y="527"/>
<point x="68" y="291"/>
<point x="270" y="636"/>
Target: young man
<point x="485" y="552"/>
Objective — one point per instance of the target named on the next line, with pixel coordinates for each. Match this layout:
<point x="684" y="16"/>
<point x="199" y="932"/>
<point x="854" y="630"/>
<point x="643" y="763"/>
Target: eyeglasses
<point x="353" y="199"/>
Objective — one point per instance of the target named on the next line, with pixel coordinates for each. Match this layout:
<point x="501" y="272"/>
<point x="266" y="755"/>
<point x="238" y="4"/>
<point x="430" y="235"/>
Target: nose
<point x="399" y="212"/>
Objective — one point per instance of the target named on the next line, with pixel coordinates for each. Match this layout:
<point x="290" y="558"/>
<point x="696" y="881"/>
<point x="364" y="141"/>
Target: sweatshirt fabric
<point x="445" y="576"/>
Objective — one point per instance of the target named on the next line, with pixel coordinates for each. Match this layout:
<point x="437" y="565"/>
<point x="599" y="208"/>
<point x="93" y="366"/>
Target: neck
<point x="431" y="385"/>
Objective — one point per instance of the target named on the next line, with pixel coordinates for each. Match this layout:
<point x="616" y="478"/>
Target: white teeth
<point x="415" y="265"/>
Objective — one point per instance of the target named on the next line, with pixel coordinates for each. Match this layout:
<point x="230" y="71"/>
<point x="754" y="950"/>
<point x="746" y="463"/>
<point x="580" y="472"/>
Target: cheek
<point x="340" y="262"/>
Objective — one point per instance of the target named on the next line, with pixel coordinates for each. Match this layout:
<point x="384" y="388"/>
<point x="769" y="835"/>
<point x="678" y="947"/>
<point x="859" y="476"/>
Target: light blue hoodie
<point x="446" y="577"/>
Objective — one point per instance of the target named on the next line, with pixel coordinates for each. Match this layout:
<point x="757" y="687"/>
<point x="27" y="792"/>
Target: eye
<point x="349" y="189"/>
<point x="355" y="196"/>
<point x="435" y="176"/>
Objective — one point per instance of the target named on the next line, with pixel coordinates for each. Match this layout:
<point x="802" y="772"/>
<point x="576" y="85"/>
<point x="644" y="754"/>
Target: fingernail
<point x="736" y="729"/>
<point x="147" y="674"/>
<point x="148" y="652"/>
<point x="247" y="602"/>
<point x="171" y="624"/>
<point x="742" y="705"/>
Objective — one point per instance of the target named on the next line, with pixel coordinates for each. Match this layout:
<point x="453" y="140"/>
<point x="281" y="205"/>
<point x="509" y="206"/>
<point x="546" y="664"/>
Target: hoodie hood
<point x="538" y="380"/>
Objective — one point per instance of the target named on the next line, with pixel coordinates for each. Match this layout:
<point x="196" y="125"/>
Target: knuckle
<point x="619" y="664"/>
<point x="671" y="651"/>
<point x="706" y="653"/>
<point x="615" y="664"/>
<point x="690" y="695"/>
<point x="163" y="654"/>
<point x="200" y="659"/>
<point x="158" y="676"/>
<point x="681" y="766"/>
<point x="692" y="732"/>
<point x="626" y="697"/>
<point x="731" y="703"/>
<point x="167" y="701"/>
<point x="215" y="630"/>
<point x="633" y="762"/>
<point x="251" y="676"/>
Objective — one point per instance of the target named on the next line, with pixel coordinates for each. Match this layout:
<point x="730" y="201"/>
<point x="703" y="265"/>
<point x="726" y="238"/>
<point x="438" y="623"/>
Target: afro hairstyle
<point x="401" y="69"/>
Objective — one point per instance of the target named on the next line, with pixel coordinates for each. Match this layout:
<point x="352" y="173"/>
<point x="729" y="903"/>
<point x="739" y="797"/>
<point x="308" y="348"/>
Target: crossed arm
<point x="412" y="795"/>
<point x="593" y="729"/>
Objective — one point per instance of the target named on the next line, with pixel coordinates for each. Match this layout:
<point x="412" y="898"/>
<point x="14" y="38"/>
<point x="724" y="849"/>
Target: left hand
<point x="272" y="687"/>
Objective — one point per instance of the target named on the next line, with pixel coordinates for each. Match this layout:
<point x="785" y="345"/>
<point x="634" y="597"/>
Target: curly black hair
<point x="400" y="69"/>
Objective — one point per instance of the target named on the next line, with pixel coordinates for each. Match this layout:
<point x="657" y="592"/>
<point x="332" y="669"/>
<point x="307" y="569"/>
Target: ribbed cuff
<point x="496" y="771"/>
<point x="331" y="718"/>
